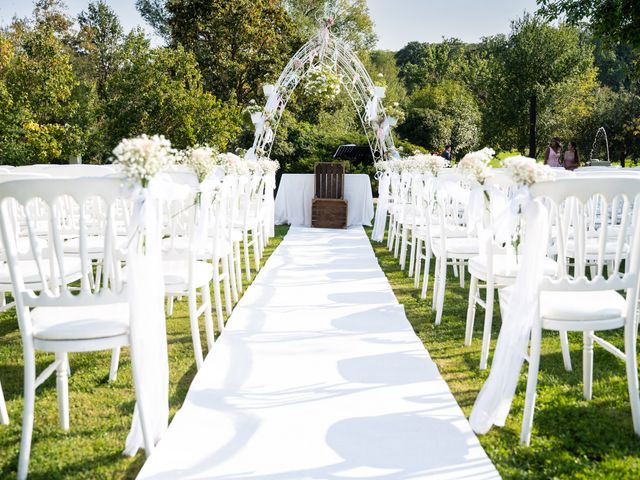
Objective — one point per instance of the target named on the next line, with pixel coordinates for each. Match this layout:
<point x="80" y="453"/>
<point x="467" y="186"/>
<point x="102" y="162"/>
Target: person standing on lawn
<point x="552" y="154"/>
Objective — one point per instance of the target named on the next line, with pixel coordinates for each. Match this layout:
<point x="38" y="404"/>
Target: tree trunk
<point x="533" y="107"/>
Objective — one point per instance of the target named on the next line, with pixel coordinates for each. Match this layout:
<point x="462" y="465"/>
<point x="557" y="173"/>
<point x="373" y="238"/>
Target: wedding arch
<point x="326" y="50"/>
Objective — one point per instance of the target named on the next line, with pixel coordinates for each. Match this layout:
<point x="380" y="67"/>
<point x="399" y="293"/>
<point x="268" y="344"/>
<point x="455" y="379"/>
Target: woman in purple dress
<point x="552" y="154"/>
<point x="571" y="157"/>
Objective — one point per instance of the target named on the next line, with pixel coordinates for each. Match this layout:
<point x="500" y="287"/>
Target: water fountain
<point x="596" y="148"/>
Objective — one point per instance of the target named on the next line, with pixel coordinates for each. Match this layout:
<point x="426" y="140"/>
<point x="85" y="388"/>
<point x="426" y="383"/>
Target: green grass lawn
<point x="572" y="438"/>
<point x="100" y="411"/>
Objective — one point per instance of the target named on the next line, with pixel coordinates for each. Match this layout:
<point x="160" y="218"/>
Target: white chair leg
<point x="232" y="278"/>
<point x="564" y="346"/>
<point x="397" y="241"/>
<point x="403" y="247"/>
<point x="27" y="416"/>
<point x="98" y="281"/>
<point x="4" y="415"/>
<point x="462" y="269"/>
<point x="532" y="383"/>
<point x="412" y="256"/>
<point x="425" y="279"/>
<point x="247" y="260"/>
<point x="488" y="321"/>
<point x="238" y="265"/>
<point x="115" y="360"/>
<point x="441" y="289"/>
<point x="195" y="329"/>
<point x="471" y="310"/>
<point x="630" y="338"/>
<point x="436" y="282"/>
<point x="170" y="300"/>
<point x="62" y="386"/>
<point x="587" y="365"/>
<point x="208" y="318"/>
<point x="256" y="251"/>
<point x="217" y="298"/>
<point x="417" y="267"/>
<point x="227" y="285"/>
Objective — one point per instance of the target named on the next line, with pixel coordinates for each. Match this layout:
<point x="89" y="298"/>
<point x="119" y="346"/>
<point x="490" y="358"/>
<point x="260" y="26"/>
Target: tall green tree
<point x="535" y="59"/>
<point x="38" y="122"/>
<point x="617" y="21"/>
<point x="160" y="91"/>
<point x="352" y="21"/>
<point x="99" y="41"/>
<point x="238" y="45"/>
<point x="440" y="114"/>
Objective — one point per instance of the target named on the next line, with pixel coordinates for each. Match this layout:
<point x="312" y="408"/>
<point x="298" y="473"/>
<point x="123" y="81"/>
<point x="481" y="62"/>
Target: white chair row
<point x="593" y="231"/>
<point x="62" y="236"/>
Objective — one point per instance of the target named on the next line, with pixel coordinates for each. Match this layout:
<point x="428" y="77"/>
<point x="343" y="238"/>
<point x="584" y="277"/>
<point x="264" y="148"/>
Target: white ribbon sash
<point x="521" y="311"/>
<point x="147" y="321"/>
<point x="380" y="222"/>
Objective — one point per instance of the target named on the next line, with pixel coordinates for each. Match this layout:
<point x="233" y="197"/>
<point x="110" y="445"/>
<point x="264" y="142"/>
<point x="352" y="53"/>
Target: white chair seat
<point x="592" y="246"/>
<point x="79" y="323"/>
<point x="582" y="306"/>
<point x="251" y="223"/>
<point x="459" y="246"/>
<point x="31" y="276"/>
<point x="205" y="253"/>
<point x="95" y="245"/>
<point x="504" y="267"/>
<point x="176" y="273"/>
<point x="452" y="232"/>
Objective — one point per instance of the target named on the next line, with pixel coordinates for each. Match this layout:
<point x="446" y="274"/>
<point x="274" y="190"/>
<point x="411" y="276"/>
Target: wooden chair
<point x="329" y="208"/>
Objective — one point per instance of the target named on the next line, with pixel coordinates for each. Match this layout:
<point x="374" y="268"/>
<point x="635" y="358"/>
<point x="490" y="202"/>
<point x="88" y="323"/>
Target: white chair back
<point x="54" y="270"/>
<point x="596" y="227"/>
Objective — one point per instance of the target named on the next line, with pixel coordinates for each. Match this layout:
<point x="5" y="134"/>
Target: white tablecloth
<point x="293" y="201"/>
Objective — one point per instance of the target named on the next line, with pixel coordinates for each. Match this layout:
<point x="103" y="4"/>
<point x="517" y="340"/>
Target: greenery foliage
<point x="76" y="86"/>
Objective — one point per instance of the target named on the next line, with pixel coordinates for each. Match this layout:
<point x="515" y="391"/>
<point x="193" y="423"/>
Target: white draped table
<point x="293" y="201"/>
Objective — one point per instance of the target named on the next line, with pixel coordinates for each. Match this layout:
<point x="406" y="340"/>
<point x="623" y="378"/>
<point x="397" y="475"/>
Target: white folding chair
<point x="496" y="267"/>
<point x="574" y="300"/>
<point x="249" y="220"/>
<point x="448" y="245"/>
<point x="185" y="272"/>
<point x="56" y="319"/>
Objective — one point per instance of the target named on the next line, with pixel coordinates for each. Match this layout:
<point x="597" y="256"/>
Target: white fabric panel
<point x="293" y="201"/>
<point x="319" y="375"/>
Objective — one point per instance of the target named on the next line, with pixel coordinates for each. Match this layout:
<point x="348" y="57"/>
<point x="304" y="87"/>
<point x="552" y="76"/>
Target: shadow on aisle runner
<point x="319" y="375"/>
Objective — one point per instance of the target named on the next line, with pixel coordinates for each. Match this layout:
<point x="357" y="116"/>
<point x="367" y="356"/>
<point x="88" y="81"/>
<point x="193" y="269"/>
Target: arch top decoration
<point x="326" y="50"/>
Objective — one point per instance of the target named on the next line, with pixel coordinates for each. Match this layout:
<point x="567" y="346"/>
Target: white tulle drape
<point x="521" y="307"/>
<point x="269" y="204"/>
<point x="384" y="183"/>
<point x="148" y="328"/>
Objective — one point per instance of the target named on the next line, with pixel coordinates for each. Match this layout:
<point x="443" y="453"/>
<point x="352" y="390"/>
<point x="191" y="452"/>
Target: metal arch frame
<point x="327" y="49"/>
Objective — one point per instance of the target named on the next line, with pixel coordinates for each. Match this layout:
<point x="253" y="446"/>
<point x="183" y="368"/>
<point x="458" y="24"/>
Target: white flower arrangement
<point x="268" y="166"/>
<point x="254" y="167"/>
<point x="418" y="163"/>
<point x="141" y="158"/>
<point x="526" y="171"/>
<point x="477" y="165"/>
<point x="386" y="166"/>
<point x="426" y="163"/>
<point x="323" y="82"/>
<point x="202" y="159"/>
<point x="233" y="164"/>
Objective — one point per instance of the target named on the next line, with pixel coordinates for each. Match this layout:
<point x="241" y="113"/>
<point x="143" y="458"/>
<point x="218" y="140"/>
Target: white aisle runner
<point x="319" y="375"/>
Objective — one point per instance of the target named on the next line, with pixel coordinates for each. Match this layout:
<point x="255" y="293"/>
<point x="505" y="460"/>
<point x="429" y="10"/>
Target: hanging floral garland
<point x="323" y="83"/>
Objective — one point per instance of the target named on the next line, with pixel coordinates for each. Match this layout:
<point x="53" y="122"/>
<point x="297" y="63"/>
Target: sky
<point x="397" y="21"/>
